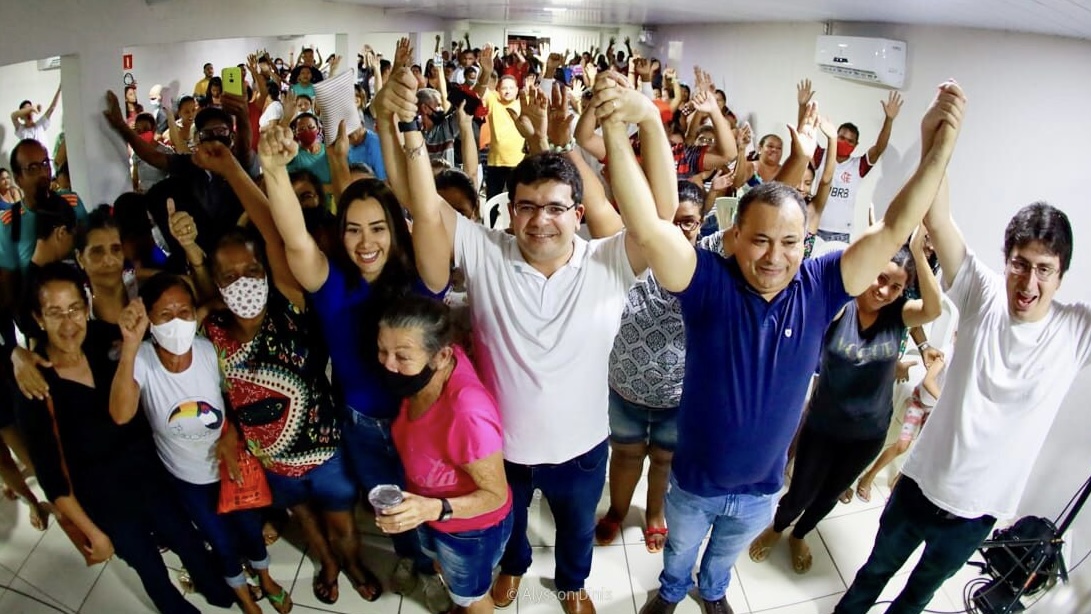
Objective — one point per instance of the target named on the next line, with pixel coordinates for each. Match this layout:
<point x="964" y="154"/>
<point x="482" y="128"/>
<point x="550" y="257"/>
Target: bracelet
<point x="924" y="346"/>
<point x="410" y="126"/>
<point x="560" y="149"/>
<point x="413" y="152"/>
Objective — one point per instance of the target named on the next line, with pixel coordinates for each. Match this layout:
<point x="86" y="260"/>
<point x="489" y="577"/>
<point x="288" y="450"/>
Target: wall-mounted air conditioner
<point x="877" y="61"/>
<point x="52" y="63"/>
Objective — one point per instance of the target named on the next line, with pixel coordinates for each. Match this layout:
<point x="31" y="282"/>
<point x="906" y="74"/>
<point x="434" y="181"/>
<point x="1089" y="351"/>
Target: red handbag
<point x="252" y="492"/>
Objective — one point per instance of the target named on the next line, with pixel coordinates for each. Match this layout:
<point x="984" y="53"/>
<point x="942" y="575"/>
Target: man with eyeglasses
<point x="204" y="195"/>
<point x="1017" y="355"/>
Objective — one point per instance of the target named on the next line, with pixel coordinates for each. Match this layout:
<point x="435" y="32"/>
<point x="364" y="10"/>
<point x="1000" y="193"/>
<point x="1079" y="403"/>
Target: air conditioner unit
<point x="52" y="63"/>
<point x="877" y="61"/>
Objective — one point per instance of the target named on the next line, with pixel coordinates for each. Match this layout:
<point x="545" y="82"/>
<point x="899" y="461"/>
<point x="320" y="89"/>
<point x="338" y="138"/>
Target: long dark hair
<point x="400" y="270"/>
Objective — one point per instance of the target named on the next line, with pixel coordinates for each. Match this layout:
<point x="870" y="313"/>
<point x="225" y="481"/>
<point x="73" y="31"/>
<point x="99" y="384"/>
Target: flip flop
<point x="370" y="588"/>
<point x="39" y="516"/>
<point x="326" y="592"/>
<point x="864" y="494"/>
<point x="607" y="529"/>
<point x="281" y="602"/>
<point x="846" y="497"/>
<point x="651" y="535"/>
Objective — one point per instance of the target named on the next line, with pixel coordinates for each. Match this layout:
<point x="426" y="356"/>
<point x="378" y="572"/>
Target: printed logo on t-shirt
<point x="440" y="475"/>
<point x="846" y="177"/>
<point x="194" y="420"/>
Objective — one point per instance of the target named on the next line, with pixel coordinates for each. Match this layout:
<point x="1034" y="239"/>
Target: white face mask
<point x="153" y="104"/>
<point x="246" y="296"/>
<point x="175" y="336"/>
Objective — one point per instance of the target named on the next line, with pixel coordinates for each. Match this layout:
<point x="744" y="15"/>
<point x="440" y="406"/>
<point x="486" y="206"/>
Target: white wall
<point x="1024" y="139"/>
<point x="91" y="37"/>
<point x="23" y="81"/>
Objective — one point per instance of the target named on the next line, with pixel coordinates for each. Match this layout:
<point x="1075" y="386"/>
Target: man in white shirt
<point x="27" y="126"/>
<point x="1018" y="353"/>
<point x="545" y="306"/>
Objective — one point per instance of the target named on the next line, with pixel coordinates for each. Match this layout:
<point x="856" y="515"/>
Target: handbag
<point x="252" y="493"/>
<point x="75" y="534"/>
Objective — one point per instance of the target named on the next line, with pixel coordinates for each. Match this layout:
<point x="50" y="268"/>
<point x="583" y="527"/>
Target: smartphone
<point x="232" y="80"/>
<point x="726" y="206"/>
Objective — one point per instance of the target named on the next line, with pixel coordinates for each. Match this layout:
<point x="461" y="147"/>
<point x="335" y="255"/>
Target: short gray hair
<point x="431" y="317"/>
<point x="427" y="94"/>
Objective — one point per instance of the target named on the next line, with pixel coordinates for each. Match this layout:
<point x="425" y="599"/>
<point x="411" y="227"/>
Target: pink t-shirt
<point x="461" y="427"/>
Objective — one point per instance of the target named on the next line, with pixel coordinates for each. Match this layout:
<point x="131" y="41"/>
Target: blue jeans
<point x="573" y="489"/>
<point x="232" y="536"/>
<point x="909" y="519"/>
<point x="635" y="423"/>
<point x="735" y="521"/>
<point x="374" y="459"/>
<point x="467" y="558"/>
<point x="328" y="485"/>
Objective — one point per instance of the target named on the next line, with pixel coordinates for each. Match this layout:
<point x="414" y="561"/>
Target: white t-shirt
<point x="544" y="344"/>
<point x="186" y="410"/>
<point x="1004" y="387"/>
<point x="841" y="206"/>
<point x="272" y="113"/>
<point x="36" y="132"/>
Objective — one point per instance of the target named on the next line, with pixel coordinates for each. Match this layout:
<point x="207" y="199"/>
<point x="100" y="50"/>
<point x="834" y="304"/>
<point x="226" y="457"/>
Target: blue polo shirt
<point x="368" y="152"/>
<point x="15" y="255"/>
<point x="748" y="364"/>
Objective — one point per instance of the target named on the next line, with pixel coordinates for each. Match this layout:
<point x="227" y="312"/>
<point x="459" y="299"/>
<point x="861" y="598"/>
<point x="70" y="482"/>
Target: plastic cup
<point x="384" y="497"/>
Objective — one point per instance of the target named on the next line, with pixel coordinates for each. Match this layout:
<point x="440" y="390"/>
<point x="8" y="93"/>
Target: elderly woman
<point x="177" y="380"/>
<point x="103" y="476"/>
<point x="448" y="436"/>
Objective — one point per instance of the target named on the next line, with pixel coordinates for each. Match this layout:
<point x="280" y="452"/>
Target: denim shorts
<point x="329" y="485"/>
<point x="635" y="423"/>
<point x="467" y="558"/>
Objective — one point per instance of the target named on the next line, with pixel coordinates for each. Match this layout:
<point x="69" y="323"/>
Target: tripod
<point x="1023" y="559"/>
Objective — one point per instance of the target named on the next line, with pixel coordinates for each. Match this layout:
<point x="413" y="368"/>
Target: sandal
<point x="281" y="602"/>
<point x="269" y="533"/>
<point x="863" y="492"/>
<point x="846" y="497"/>
<point x="39" y="516"/>
<point x="651" y="539"/>
<point x="607" y="529"/>
<point x="801" y="555"/>
<point x="325" y="591"/>
<point x="370" y="588"/>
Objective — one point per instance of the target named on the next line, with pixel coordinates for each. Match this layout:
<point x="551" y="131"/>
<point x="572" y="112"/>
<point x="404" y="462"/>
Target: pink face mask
<point x="306" y="138"/>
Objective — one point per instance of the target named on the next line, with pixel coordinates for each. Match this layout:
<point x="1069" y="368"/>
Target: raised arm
<point x="53" y="103"/>
<point x="390" y="141"/>
<point x="181" y="227"/>
<point x="433" y="220"/>
<point x="306" y="261"/>
<point x="930" y="305"/>
<point x="259" y="80"/>
<point x="891" y="106"/>
<point x="725" y="151"/>
<point x="585" y="135"/>
<point x="337" y="158"/>
<point x="237" y="107"/>
<point x="803" y="146"/>
<point x="822" y="192"/>
<point x="176" y="141"/>
<point x="125" y="392"/>
<point x="866" y="256"/>
<point x="469" y="143"/>
<point x="661" y="243"/>
<point x="215" y="157"/>
<point x="945" y="235"/>
<point x="146" y="151"/>
<point x="804" y="95"/>
<point x="487" y="59"/>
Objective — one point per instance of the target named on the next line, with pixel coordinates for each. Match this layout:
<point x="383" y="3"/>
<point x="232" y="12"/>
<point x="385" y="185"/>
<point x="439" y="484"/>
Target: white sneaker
<point x="404" y="580"/>
<point x="436" y="597"/>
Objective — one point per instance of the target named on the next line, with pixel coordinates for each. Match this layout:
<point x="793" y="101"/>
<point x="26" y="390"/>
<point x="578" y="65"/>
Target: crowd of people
<point x="511" y="277"/>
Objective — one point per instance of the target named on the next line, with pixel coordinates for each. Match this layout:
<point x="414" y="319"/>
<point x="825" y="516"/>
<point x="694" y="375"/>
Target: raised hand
<point x="404" y="87"/>
<point x="704" y="102"/>
<point x="276" y="148"/>
<point x="804" y="93"/>
<point x="465" y="120"/>
<point x="403" y="54"/>
<point x="251" y="63"/>
<point x="340" y="146"/>
<point x="643" y="68"/>
<point x="670" y="74"/>
<point x="827" y="127"/>
<point x="216" y="157"/>
<point x="616" y="101"/>
<point x="892" y="105"/>
<point x="531" y="122"/>
<point x="487" y="59"/>
<point x="803" y="136"/>
<point x="133" y="322"/>
<point x="916" y="241"/>
<point x="590" y="73"/>
<point x="560" y="120"/>
<point x="289" y="103"/>
<point x="577" y="89"/>
<point x="334" y="61"/>
<point x="553" y="62"/>
<point x="181" y="224"/>
<point x="946" y="111"/>
<point x="721" y="181"/>
<point x="112" y="113"/>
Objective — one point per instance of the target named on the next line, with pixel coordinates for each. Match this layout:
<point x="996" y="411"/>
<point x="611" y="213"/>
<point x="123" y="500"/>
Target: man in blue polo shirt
<point x="754" y="325"/>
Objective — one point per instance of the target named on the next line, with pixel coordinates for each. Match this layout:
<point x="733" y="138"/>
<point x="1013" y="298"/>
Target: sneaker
<point x="404" y="580"/>
<point x="436" y="597"/>
<point x="658" y="605"/>
<point x="720" y="606"/>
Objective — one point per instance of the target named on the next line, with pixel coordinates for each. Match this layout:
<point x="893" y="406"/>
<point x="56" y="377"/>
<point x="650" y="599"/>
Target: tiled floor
<point x="45" y="567"/>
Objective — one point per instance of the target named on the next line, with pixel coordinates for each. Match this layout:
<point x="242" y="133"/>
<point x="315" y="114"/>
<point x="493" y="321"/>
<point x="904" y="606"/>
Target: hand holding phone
<point x="232" y="80"/>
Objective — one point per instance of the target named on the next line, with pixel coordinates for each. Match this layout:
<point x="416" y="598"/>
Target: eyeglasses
<point x="37" y="167"/>
<point x="307" y="196"/>
<point x="688" y="225"/>
<point x="75" y="313"/>
<point x="1043" y="272"/>
<point x="528" y="210"/>
<point x="211" y="133"/>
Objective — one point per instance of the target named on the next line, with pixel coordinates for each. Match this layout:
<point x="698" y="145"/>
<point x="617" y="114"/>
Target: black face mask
<point x="402" y="386"/>
<point x="438" y="117"/>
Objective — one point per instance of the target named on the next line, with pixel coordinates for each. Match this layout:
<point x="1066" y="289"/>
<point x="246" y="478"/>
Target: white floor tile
<point x="17" y="537"/>
<point x="850" y="539"/>
<point x="377" y="557"/>
<point x="772" y="583"/>
<point x="939" y="603"/>
<point x="57" y="569"/>
<point x="118" y="591"/>
<point x="644" y="569"/>
<point x="822" y="605"/>
<point x="23" y="598"/>
<point x="879" y="494"/>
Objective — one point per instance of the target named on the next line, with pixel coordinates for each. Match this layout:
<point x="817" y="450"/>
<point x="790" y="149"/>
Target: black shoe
<point x="720" y="606"/>
<point x="658" y="605"/>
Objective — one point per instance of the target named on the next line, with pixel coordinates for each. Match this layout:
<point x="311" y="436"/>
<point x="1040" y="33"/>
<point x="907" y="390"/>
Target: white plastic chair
<point x="500" y="202"/>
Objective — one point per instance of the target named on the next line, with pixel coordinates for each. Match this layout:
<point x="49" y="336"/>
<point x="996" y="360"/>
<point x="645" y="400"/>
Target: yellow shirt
<point x="506" y="148"/>
<point x="201" y="89"/>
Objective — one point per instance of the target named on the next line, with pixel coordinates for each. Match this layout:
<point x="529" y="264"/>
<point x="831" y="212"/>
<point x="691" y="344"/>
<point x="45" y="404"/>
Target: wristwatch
<point x="446" y="513"/>
<point x="924" y="346"/>
<point x="413" y="126"/>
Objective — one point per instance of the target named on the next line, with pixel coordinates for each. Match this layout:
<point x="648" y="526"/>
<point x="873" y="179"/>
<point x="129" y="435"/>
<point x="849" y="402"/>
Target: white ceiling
<point x="1060" y="17"/>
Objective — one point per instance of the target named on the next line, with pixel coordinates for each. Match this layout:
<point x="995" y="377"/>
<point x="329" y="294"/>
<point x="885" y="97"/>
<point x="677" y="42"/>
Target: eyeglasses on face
<point x="36" y="167"/>
<point x="75" y="313"/>
<point x="527" y="210"/>
<point x="688" y="225"/>
<point x="1020" y="266"/>
<point x="210" y="133"/>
